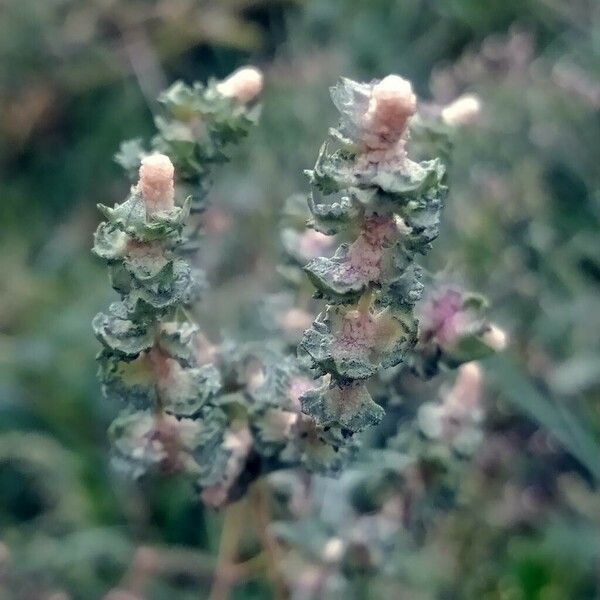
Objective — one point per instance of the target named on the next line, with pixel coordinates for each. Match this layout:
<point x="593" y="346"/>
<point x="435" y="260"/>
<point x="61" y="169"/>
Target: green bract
<point x="197" y="125"/>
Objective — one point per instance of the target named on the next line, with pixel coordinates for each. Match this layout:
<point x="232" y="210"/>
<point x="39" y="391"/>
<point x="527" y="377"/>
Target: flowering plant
<point x="227" y="414"/>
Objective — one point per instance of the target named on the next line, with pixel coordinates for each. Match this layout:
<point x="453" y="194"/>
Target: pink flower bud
<point x="464" y="396"/>
<point x="243" y="85"/>
<point x="443" y="318"/>
<point x="294" y="321"/>
<point x="313" y="243"/>
<point x="463" y="111"/>
<point x="156" y="183"/>
<point x="391" y="105"/>
<point x="495" y="338"/>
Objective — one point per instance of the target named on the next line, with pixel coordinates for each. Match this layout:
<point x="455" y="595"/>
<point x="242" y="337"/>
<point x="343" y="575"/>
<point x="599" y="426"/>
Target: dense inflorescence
<point x="197" y="125"/>
<point x="366" y="188"/>
<point x="155" y="360"/>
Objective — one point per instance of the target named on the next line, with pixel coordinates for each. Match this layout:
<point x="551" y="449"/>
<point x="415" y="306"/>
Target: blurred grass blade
<point x="565" y="424"/>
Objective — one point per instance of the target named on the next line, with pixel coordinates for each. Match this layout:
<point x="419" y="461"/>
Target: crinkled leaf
<point x="333" y="213"/>
<point x="411" y="180"/>
<point x="336" y="278"/>
<point x="348" y="406"/>
<point x="110" y="244"/>
<point x="143" y="441"/>
<point x="132" y="383"/>
<point x="177" y="340"/>
<point x="189" y="389"/>
<point x="122" y="335"/>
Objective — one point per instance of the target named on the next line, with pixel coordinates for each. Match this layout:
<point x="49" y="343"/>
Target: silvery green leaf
<point x="143" y="441"/>
<point x="278" y="372"/>
<point x="422" y="216"/>
<point x="110" y="244"/>
<point x="163" y="224"/>
<point x="120" y="278"/>
<point x="333" y="171"/>
<point x="173" y="285"/>
<point x="128" y="216"/>
<point x="351" y="98"/>
<point x="122" y="335"/>
<point x="133" y="451"/>
<point x="190" y="389"/>
<point x="348" y="406"/>
<point x="209" y="452"/>
<point x="403" y="287"/>
<point x="177" y="340"/>
<point x="319" y="449"/>
<point x="334" y="212"/>
<point x="335" y="278"/>
<point x="394" y="334"/>
<point x="412" y="180"/>
<point x="148" y="266"/>
<point x="132" y="383"/>
<point x="272" y="430"/>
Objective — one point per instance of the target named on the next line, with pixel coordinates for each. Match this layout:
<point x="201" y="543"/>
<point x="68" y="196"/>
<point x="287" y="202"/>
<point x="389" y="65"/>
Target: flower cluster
<point x="198" y="124"/>
<point x="367" y="190"/>
<point x="149" y="359"/>
<point x="453" y="330"/>
<point x="226" y="414"/>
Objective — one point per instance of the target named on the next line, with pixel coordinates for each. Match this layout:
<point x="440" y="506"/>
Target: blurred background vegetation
<point x="521" y="226"/>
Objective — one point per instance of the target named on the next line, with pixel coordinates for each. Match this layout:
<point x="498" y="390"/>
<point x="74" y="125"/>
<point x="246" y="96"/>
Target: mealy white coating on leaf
<point x="465" y="110"/>
<point x="156" y="183"/>
<point x="442" y="316"/>
<point x="244" y="84"/>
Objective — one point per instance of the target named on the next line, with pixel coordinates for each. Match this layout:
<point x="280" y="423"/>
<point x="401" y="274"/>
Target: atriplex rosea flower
<point x="197" y="125"/>
<point x="368" y="189"/>
<point x="228" y="413"/>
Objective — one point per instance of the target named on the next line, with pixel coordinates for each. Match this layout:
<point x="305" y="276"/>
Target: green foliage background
<point x="521" y="226"/>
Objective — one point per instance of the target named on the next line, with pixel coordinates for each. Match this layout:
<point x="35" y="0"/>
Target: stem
<point x="364" y="303"/>
<point x="262" y="509"/>
<point x="228" y="548"/>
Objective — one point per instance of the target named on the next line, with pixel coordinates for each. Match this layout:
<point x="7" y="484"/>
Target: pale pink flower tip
<point x="244" y="84"/>
<point x="392" y="104"/>
<point x="465" y="394"/>
<point x="495" y="338"/>
<point x="156" y="183"/>
<point x="465" y="110"/>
